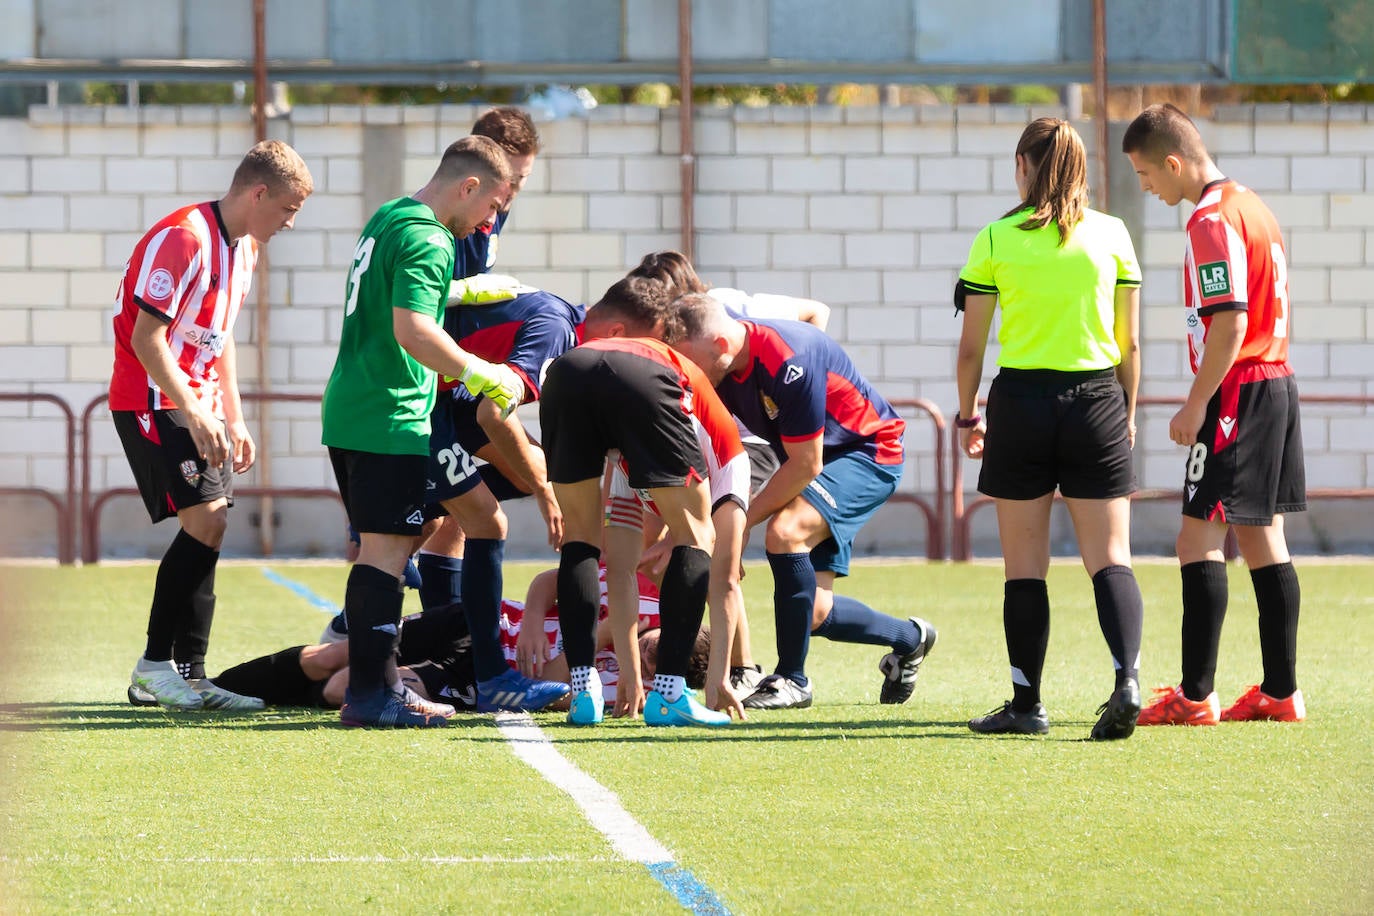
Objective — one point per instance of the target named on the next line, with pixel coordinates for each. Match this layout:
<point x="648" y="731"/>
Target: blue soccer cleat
<point x="686" y="711"/>
<point x="586" y="709"/>
<point x="384" y="709"/>
<point x="513" y="692"/>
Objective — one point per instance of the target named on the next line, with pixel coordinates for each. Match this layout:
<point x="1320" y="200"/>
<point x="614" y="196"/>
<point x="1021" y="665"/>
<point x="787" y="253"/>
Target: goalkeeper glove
<point x="496" y="381"/>
<point x="485" y="289"/>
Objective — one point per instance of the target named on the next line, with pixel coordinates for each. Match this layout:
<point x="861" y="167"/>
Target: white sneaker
<point x="161" y="682"/>
<point x="215" y="697"/>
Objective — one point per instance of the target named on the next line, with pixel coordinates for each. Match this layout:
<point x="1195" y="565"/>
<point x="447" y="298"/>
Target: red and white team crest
<point x="190" y="472"/>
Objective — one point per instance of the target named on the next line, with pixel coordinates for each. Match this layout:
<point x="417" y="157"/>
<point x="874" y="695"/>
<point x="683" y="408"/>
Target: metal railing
<point x="962" y="515"/>
<point x="65" y="505"/>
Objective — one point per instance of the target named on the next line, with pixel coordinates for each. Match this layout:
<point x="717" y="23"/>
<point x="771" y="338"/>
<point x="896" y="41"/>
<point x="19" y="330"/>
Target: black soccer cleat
<point x="1119" y="713"/>
<point x="899" y="671"/>
<point x="778" y="692"/>
<point x="1007" y="721"/>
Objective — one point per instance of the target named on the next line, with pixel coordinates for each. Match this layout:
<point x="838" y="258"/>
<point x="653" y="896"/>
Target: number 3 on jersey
<point x="362" y="257"/>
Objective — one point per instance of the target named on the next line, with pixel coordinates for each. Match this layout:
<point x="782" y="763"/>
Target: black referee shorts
<point x="1048" y="428"/>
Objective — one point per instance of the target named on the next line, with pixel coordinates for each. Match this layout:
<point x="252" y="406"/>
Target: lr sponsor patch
<point x="190" y="472"/>
<point x="1214" y="279"/>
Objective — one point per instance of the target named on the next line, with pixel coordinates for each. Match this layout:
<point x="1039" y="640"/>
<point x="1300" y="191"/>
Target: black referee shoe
<point x="1119" y="713"/>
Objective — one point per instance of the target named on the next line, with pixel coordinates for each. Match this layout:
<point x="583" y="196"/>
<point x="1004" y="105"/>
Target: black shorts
<point x="167" y="466"/>
<point x="763" y="463"/>
<point x="1247" y="465"/>
<point x="1048" y="428"/>
<point x="382" y="494"/>
<point x="596" y="400"/>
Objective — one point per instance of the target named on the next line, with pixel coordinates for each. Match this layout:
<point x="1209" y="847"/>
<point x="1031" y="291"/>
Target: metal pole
<point x="685" y="108"/>
<point x="266" y="532"/>
<point x="1100" y="101"/>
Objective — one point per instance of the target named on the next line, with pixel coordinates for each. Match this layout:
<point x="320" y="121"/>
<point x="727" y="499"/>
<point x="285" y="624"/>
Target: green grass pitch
<point x="849" y="807"/>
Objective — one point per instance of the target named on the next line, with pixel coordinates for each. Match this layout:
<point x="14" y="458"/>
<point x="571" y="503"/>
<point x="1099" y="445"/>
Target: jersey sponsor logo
<point x="770" y="407"/>
<point x="793" y="373"/>
<point x="190" y="472"/>
<point x="1227" y="424"/>
<point x="415" y="518"/>
<point x="160" y="284"/>
<point x="204" y="338"/>
<point x="1214" y="279"/>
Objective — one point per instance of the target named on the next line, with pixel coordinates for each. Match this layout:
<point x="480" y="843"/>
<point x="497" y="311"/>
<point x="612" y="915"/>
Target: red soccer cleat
<point x="1257" y="706"/>
<point x="1171" y="707"/>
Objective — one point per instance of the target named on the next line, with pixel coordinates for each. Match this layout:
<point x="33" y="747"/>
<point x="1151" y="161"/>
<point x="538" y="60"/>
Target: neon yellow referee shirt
<point x="1058" y="302"/>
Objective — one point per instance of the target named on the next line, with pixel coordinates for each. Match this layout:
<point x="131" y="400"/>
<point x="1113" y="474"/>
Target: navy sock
<point x="482" y="604"/>
<point x="1026" y="620"/>
<point x="1278" y="596"/>
<point x="373" y="601"/>
<point x="181" y="574"/>
<point x="682" y="603"/>
<point x="441" y="580"/>
<point x="850" y="620"/>
<point x="794" y="599"/>
<point x="1204" y="609"/>
<point x="579" y="595"/>
<point x="1120" y="613"/>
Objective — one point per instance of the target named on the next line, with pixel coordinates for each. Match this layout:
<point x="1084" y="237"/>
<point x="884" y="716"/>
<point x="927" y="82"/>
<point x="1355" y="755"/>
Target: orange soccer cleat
<point x="1171" y="707"/>
<point x="1257" y="706"/>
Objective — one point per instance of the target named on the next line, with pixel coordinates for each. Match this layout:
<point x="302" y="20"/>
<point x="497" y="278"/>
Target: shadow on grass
<point x="75" y="716"/>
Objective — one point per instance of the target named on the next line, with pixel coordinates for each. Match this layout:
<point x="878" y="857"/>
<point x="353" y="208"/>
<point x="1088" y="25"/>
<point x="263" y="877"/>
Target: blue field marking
<point x="320" y="604"/>
<point x="694" y="896"/>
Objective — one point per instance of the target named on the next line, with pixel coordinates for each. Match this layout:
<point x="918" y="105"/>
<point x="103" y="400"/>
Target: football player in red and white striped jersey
<point x="1240" y="422"/>
<point x="174" y="397"/>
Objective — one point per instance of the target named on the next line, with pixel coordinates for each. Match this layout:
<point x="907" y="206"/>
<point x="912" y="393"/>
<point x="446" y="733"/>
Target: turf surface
<point x="847" y="807"/>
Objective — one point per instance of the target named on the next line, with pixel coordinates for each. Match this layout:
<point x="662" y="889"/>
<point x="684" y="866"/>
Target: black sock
<point x="850" y="620"/>
<point x="183" y="570"/>
<point x="681" y="604"/>
<point x="1026" y="620"/>
<point x="579" y="593"/>
<point x="794" y="600"/>
<point x="441" y="580"/>
<point x="276" y="679"/>
<point x="1204" y="609"/>
<point x="1278" y="596"/>
<point x="193" y="634"/>
<point x="1120" y="613"/>
<point x="373" y="603"/>
<point x="435" y="635"/>
<point x="481" y="590"/>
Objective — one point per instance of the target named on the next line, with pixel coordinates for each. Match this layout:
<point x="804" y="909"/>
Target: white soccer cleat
<point x="217" y="698"/>
<point x="161" y="682"/>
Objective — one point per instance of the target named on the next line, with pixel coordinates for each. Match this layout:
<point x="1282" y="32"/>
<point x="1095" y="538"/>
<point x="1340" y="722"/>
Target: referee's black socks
<point x="1120" y="613"/>
<point x="1026" y="620"/>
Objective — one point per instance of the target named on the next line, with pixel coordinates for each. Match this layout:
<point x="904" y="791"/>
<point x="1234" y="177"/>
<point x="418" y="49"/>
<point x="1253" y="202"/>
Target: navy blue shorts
<point x="847" y="491"/>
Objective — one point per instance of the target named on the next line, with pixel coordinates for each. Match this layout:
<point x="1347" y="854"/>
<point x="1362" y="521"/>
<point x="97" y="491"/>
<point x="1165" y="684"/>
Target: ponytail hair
<point x="1057" y="188"/>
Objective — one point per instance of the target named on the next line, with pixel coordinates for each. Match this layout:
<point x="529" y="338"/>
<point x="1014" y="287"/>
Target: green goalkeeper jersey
<point x="379" y="397"/>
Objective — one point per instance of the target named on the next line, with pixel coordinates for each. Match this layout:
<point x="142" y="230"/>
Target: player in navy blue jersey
<point x="841" y="452"/>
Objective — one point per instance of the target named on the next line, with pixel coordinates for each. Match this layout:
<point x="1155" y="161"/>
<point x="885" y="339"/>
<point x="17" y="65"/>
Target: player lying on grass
<point x="436" y="661"/>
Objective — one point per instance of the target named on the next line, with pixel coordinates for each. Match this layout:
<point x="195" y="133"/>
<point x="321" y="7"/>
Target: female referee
<point x="1060" y="412"/>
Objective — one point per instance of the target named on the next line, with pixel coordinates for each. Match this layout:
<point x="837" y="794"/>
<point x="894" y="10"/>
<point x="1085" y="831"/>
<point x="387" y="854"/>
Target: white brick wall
<point x="870" y="210"/>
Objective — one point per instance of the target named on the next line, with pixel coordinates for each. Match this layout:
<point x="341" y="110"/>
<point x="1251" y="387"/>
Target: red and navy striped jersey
<point x="800" y="384"/>
<point x="185" y="272"/>
<point x="526" y="333"/>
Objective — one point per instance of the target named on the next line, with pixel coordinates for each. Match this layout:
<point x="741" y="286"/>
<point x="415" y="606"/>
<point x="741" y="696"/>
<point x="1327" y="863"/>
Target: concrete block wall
<point x="868" y="209"/>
